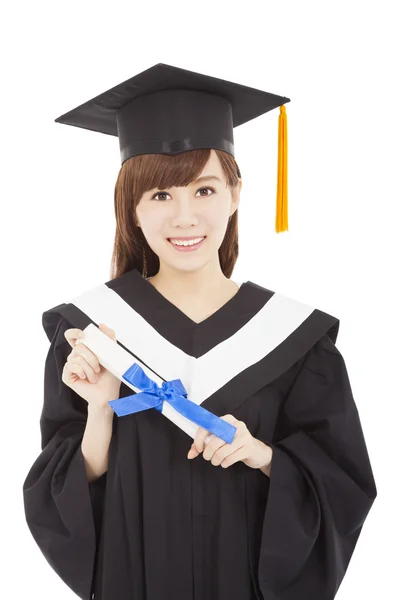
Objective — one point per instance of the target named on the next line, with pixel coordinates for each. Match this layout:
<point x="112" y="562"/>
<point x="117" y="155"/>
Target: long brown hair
<point x="144" y="172"/>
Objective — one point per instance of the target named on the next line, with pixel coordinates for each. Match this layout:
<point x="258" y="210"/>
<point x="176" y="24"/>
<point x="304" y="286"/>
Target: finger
<point x="241" y="427"/>
<point x="217" y="444"/>
<point x="71" y="335"/>
<point x="88" y="355"/>
<point x="81" y="362"/>
<point x="73" y="370"/>
<point x="214" y="444"/>
<point x="207" y="442"/>
<point x="203" y="439"/>
<point x="203" y="434"/>
<point x="107" y="330"/>
<point x="193" y="452"/>
<point x="233" y="457"/>
<point x="200" y="436"/>
<point x="209" y="449"/>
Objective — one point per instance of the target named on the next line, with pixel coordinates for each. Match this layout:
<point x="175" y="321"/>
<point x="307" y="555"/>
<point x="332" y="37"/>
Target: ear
<point x="236" y="197"/>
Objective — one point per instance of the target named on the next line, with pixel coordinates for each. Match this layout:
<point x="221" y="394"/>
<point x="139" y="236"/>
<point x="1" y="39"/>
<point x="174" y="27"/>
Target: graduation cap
<point x="168" y="110"/>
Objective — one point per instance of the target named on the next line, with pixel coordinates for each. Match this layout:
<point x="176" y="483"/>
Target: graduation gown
<point x="159" y="526"/>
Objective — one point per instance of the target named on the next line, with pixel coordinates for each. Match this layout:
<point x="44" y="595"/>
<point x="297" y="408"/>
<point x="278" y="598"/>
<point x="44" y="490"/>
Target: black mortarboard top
<point x="168" y="110"/>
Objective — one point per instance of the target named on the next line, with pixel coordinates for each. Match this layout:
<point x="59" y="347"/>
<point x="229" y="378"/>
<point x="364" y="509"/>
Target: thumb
<point x="108" y="331"/>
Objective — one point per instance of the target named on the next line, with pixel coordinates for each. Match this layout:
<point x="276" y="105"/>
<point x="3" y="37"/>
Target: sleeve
<point x="321" y="484"/>
<point x="63" y="511"/>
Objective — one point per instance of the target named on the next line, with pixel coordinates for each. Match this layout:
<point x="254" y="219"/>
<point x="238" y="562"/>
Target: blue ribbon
<point x="174" y="392"/>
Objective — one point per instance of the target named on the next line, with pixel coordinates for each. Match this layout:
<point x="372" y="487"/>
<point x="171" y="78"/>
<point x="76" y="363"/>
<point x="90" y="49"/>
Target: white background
<point x="337" y="63"/>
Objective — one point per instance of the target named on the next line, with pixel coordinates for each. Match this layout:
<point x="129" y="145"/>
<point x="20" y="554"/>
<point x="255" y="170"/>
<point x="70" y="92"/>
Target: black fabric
<point x="63" y="511"/>
<point x="158" y="525"/>
<point x="321" y="486"/>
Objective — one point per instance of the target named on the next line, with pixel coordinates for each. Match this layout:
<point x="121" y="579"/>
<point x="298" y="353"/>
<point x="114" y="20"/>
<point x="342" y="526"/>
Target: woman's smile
<point x="186" y="246"/>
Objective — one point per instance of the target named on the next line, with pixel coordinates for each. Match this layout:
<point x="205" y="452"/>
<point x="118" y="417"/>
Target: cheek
<point x="217" y="218"/>
<point x="152" y="223"/>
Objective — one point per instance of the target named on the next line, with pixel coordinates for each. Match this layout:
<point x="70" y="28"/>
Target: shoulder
<point x="55" y="324"/>
<point x="325" y="360"/>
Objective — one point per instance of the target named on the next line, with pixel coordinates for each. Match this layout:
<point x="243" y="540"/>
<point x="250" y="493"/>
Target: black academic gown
<point x="159" y="526"/>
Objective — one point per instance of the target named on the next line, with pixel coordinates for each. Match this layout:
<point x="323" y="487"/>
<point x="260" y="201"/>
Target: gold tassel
<point x="281" y="220"/>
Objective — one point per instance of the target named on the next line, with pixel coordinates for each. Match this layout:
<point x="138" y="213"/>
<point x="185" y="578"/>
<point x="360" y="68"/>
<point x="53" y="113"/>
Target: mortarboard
<point x="168" y="110"/>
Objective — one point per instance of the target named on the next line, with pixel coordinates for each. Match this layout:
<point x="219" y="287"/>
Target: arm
<point x="321" y="483"/>
<point x="96" y="441"/>
<point x="266" y="469"/>
<point x="63" y="510"/>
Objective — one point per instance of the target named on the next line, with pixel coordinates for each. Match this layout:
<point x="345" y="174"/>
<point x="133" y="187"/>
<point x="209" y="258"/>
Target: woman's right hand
<point x="85" y="375"/>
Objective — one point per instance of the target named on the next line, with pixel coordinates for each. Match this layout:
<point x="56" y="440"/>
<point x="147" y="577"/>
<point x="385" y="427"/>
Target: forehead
<point x="212" y="166"/>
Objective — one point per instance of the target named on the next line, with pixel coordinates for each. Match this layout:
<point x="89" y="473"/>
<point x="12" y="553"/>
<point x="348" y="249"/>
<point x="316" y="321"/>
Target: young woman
<point x="131" y="508"/>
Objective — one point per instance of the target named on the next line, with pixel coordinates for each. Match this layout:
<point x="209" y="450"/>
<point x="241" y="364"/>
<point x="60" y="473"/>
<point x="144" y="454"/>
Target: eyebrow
<point x="204" y="178"/>
<point x="207" y="178"/>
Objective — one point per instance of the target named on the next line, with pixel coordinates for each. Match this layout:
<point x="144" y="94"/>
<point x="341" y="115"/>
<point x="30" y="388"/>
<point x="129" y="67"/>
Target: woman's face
<point x="200" y="209"/>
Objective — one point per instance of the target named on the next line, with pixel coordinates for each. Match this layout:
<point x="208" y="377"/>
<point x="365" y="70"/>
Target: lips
<point x="186" y="239"/>
<point x="189" y="248"/>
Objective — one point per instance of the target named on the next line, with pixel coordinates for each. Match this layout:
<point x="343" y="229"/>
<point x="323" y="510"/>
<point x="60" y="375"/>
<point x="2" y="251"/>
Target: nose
<point x="184" y="213"/>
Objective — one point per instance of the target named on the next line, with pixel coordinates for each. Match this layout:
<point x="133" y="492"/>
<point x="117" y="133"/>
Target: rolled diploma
<point x="117" y="360"/>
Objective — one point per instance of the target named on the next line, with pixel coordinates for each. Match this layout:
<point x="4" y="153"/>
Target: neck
<point x="205" y="287"/>
<point x="200" y="281"/>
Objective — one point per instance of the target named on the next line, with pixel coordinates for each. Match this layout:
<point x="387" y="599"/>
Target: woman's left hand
<point x="244" y="447"/>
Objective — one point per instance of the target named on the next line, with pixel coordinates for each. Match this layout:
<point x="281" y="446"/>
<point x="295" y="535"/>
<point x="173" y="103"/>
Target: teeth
<point x="187" y="243"/>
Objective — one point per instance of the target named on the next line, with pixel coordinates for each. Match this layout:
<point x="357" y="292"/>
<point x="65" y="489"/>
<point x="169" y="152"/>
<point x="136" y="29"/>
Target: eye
<point x="207" y="188"/>
<point x="202" y="188"/>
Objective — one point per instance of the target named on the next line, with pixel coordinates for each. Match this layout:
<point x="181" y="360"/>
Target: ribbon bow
<point x="174" y="392"/>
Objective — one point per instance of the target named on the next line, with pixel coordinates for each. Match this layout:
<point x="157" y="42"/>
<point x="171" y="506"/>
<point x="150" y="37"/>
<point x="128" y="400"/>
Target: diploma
<point x="168" y="397"/>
